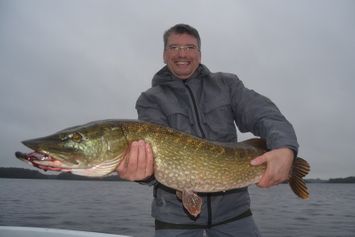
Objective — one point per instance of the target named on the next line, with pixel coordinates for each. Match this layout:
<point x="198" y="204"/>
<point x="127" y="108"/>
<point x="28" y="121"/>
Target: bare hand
<point x="138" y="162"/>
<point x="278" y="166"/>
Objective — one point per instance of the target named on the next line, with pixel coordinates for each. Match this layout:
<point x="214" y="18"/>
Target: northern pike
<point x="183" y="162"/>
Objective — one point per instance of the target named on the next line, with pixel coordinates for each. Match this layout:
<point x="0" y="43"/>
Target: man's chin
<point x="182" y="75"/>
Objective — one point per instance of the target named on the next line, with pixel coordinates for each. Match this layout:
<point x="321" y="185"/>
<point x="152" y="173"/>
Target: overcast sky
<point x="68" y="62"/>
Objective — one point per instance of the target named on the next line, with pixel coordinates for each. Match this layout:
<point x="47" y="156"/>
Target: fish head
<point x="94" y="146"/>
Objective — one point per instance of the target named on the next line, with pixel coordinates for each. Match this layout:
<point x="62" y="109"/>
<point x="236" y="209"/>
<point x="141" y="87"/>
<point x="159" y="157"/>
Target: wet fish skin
<point x="181" y="161"/>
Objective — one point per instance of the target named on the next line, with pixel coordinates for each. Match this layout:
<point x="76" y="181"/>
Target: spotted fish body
<point x="207" y="167"/>
<point x="181" y="161"/>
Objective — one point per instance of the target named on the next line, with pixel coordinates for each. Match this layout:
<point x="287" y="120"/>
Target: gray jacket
<point x="209" y="105"/>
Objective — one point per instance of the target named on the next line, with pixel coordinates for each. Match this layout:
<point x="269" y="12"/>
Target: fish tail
<point x="296" y="181"/>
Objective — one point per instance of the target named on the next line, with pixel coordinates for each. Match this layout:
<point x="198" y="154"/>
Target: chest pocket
<point x="178" y="118"/>
<point x="219" y="121"/>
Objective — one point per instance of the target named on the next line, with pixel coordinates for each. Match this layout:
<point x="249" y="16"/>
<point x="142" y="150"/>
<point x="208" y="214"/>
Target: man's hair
<point x="182" y="29"/>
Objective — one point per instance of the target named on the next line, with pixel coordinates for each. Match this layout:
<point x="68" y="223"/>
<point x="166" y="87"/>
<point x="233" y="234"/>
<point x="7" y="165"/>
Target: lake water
<point x="124" y="208"/>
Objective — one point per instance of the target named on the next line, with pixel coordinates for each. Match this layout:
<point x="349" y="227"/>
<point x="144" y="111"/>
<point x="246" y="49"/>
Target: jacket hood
<point x="165" y="77"/>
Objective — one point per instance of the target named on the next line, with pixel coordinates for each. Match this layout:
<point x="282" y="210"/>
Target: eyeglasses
<point x="186" y="48"/>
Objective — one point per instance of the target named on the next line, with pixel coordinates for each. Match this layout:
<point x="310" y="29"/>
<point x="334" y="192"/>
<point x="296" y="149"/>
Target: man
<point x="185" y="95"/>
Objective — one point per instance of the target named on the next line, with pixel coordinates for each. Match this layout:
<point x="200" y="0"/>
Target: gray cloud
<point x="64" y="63"/>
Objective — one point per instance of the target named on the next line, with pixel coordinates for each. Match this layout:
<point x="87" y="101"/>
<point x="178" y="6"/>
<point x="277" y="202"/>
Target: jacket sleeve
<point x="257" y="114"/>
<point x="148" y="110"/>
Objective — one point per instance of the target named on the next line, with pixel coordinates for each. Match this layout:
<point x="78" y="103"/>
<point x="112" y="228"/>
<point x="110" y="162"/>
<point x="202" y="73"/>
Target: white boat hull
<point x="16" y="231"/>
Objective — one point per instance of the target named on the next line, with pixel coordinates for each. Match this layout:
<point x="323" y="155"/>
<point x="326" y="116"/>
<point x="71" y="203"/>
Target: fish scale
<point x="181" y="161"/>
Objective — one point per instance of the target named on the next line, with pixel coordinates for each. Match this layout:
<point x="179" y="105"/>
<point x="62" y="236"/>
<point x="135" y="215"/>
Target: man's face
<point x="182" y="55"/>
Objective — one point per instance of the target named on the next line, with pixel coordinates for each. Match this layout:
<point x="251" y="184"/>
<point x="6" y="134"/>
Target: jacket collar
<point x="165" y="77"/>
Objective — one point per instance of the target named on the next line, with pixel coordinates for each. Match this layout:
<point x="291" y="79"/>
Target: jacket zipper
<point x="203" y="135"/>
<point x="197" y="116"/>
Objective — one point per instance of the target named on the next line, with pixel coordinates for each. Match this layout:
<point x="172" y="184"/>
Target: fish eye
<point x="76" y="137"/>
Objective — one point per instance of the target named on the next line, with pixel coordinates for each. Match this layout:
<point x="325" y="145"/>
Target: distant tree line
<point x="343" y="180"/>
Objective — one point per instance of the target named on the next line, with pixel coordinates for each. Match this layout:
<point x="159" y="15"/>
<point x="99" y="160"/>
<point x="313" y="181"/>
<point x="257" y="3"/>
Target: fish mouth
<point x="42" y="161"/>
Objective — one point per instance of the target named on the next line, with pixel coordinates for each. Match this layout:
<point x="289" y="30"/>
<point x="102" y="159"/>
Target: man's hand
<point x="137" y="164"/>
<point x="278" y="166"/>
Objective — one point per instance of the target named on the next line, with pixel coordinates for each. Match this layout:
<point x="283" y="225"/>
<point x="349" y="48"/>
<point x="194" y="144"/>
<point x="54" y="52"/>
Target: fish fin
<point x="300" y="169"/>
<point x="256" y="142"/>
<point x="99" y="170"/>
<point x="192" y="202"/>
<point x="179" y="194"/>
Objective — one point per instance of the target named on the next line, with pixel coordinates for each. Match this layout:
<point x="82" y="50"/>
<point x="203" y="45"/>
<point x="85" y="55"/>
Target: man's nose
<point x="182" y="52"/>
